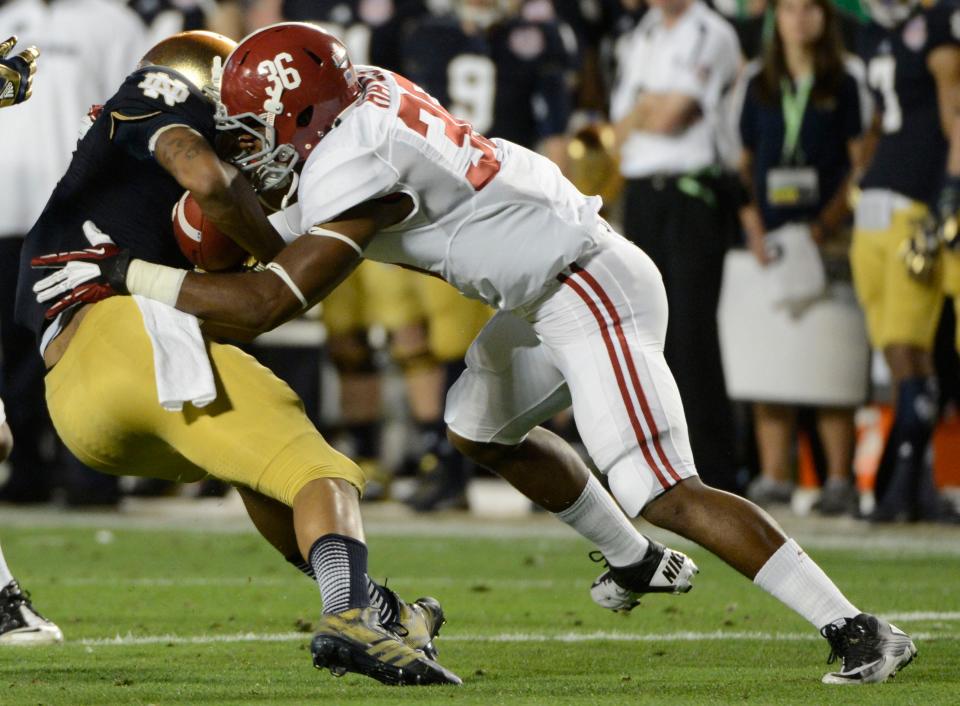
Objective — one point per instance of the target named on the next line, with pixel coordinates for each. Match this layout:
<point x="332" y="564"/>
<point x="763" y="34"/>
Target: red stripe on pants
<point x="634" y="377"/>
<point x="621" y="381"/>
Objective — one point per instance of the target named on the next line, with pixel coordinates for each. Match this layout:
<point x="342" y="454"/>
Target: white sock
<point x="795" y="579"/>
<point x="5" y="575"/>
<point x="596" y="516"/>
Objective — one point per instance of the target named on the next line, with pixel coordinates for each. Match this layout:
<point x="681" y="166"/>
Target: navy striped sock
<point x="340" y="565"/>
<point x="381" y="597"/>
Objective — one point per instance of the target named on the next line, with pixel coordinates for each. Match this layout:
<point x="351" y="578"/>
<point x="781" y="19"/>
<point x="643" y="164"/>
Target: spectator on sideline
<point x="674" y="71"/>
<point x="801" y="124"/>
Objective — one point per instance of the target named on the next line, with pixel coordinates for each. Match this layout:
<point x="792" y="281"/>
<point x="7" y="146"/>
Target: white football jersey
<point x="495" y="220"/>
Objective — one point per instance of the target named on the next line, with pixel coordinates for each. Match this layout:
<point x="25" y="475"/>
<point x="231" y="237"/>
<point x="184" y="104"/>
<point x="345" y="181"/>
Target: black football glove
<point x="948" y="211"/>
<point x="82" y="276"/>
<point x="16" y="73"/>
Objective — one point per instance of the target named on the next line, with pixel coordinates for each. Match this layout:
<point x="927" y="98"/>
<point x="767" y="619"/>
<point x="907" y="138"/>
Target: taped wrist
<point x="156" y="282"/>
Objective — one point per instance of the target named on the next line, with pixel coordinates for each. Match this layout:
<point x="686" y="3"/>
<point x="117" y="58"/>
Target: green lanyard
<point x="794" y="106"/>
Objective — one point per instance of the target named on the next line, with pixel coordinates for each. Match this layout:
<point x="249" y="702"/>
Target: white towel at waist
<point x="180" y="360"/>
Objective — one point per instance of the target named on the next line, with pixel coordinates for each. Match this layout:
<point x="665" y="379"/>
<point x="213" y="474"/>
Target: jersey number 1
<point x="881" y="74"/>
<point x="422" y="114"/>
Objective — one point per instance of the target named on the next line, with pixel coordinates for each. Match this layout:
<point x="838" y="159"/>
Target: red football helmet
<point x="284" y="85"/>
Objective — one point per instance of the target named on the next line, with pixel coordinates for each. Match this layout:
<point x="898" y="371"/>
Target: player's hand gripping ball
<point x="201" y="241"/>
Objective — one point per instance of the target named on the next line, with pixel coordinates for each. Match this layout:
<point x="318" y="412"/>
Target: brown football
<point x="200" y="240"/>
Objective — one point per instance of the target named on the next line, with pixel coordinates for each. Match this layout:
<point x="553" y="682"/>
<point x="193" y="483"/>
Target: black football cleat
<point x="20" y="623"/>
<point x="354" y="641"/>
<point x="871" y="650"/>
<point x="662" y="570"/>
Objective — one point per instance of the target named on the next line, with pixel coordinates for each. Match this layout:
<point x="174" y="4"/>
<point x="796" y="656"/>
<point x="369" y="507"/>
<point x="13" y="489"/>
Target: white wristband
<point x="323" y="232"/>
<point x="157" y="282"/>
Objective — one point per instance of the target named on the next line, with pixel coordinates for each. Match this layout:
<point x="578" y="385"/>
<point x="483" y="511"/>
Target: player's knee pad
<point x="916" y="411"/>
<point x="351" y="353"/>
<point x="305" y="459"/>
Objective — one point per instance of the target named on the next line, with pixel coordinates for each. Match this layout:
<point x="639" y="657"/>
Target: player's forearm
<point x="232" y="204"/>
<point x="664" y="113"/>
<point x="255" y="301"/>
<point x="221" y="192"/>
<point x="953" y="154"/>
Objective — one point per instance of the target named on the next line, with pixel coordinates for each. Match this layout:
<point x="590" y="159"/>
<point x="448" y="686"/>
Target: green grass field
<point x="188" y="617"/>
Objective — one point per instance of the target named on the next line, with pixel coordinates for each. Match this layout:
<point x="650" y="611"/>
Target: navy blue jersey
<point x="824" y="134"/>
<point x="911" y="155"/>
<point x="508" y="82"/>
<point x="591" y="20"/>
<point x="370" y="29"/>
<point x="191" y="12"/>
<point x="114" y="181"/>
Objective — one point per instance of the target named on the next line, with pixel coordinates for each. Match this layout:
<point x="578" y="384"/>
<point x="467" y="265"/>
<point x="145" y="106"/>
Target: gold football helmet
<point x="191" y="54"/>
<point x="592" y="163"/>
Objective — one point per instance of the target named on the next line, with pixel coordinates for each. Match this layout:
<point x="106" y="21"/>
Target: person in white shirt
<point x="89" y="46"/>
<point x="674" y="72"/>
<point x="386" y="173"/>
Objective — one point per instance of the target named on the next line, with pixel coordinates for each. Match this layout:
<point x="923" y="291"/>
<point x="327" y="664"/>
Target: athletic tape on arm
<point x="287" y="280"/>
<point x="323" y="232"/>
<point x="157" y="282"/>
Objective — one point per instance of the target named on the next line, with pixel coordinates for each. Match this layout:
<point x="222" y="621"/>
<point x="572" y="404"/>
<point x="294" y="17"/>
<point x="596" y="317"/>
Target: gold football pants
<point x="899" y="309"/>
<point x="376" y="293"/>
<point x="103" y="401"/>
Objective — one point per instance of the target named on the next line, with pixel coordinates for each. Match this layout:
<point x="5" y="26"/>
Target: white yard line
<point x="719" y="635"/>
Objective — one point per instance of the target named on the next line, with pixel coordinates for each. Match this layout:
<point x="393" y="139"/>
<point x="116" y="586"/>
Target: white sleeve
<point x="335" y="181"/>
<point x="625" y="87"/>
<point x="855" y="67"/>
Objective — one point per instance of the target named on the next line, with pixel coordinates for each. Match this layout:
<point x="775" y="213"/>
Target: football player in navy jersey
<point x="20" y="623"/>
<point x="506" y="72"/>
<point x="372" y="30"/>
<point x="912" y="56"/>
<point x="150" y="141"/>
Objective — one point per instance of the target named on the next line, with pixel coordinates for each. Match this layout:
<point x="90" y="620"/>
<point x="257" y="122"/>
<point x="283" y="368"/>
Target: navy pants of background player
<point x="687" y="236"/>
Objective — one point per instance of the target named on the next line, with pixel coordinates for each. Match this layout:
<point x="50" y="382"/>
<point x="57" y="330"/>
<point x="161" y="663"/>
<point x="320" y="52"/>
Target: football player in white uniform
<point x="386" y="173"/>
<point x="20" y="623"/>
